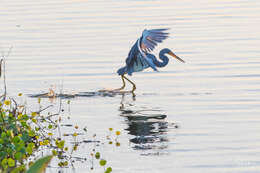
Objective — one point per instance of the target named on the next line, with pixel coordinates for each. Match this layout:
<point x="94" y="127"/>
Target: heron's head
<point x="168" y="51"/>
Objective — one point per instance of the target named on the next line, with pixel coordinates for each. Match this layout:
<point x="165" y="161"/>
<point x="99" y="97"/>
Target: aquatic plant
<point x="23" y="135"/>
<point x="18" y="139"/>
<point x="26" y="135"/>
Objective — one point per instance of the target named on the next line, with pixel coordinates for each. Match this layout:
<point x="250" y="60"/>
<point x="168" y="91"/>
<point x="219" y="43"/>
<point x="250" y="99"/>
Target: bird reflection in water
<point x="147" y="126"/>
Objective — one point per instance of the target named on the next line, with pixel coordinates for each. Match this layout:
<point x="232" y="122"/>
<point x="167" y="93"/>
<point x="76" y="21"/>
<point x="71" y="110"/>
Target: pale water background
<point x="214" y="98"/>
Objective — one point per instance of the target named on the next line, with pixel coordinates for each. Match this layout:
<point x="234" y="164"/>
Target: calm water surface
<point x="202" y="116"/>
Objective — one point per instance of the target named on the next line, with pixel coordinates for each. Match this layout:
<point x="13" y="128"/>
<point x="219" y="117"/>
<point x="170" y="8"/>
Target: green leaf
<point x="97" y="155"/>
<point x="19" y="169"/>
<point x="25" y="136"/>
<point x="9" y="151"/>
<point x="3" y="135"/>
<point x="40" y="165"/>
<point x="9" y="132"/>
<point x="2" y="154"/>
<point x="19" y="146"/>
<point x="102" y="162"/>
<point x="32" y="145"/>
<point x="11" y="162"/>
<point x="31" y="133"/>
<point x="4" y="162"/>
<point x="23" y="151"/>
<point x="18" y="155"/>
<point x="1" y="141"/>
<point x="23" y="123"/>
<point x="54" y="152"/>
<point x="60" y="144"/>
<point x="16" y="139"/>
<point x="25" y="117"/>
<point x="108" y="170"/>
<point x="29" y="150"/>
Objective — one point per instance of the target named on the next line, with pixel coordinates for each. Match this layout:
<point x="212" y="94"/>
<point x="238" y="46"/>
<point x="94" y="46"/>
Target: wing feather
<point x="150" y="38"/>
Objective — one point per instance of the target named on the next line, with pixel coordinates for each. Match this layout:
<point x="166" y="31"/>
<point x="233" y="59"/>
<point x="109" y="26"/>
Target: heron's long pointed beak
<point x="175" y="56"/>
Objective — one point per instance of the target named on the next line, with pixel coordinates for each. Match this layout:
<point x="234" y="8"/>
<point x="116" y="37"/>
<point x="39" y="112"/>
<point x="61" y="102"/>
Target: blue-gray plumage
<point x="139" y="57"/>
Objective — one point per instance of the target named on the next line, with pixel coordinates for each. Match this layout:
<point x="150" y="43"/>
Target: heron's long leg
<point x="134" y="87"/>
<point x="122" y="77"/>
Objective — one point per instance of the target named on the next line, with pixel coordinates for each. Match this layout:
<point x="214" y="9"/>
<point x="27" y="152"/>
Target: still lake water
<point x="213" y="99"/>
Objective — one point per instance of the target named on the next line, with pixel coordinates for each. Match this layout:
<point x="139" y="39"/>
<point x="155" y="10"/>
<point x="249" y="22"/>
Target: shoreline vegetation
<point x="30" y="140"/>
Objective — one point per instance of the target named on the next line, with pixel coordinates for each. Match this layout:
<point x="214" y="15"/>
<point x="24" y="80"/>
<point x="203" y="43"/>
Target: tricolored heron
<point x="139" y="57"/>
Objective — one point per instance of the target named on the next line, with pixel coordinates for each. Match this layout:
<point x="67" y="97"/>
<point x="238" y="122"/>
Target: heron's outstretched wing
<point x="137" y="59"/>
<point x="150" y="38"/>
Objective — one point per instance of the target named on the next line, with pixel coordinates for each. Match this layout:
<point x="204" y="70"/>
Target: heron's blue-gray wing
<point x="150" y="38"/>
<point x="147" y="42"/>
<point x="137" y="59"/>
<point x="132" y="55"/>
<point x="139" y="64"/>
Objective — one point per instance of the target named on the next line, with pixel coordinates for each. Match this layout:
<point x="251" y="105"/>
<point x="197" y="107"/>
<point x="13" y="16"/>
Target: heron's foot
<point x="113" y="90"/>
<point x="119" y="89"/>
<point x="106" y="90"/>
